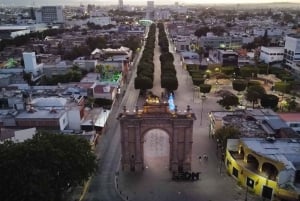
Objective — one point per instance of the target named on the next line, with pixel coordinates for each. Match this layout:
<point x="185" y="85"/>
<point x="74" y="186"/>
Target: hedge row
<point x="168" y="73"/>
<point x="145" y="69"/>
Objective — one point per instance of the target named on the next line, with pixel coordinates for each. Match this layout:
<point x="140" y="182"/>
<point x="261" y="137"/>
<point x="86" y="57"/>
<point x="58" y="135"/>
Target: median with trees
<point x="145" y="68"/>
<point x="168" y="72"/>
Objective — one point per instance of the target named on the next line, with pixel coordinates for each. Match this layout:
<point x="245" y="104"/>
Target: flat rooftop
<point x="41" y="114"/>
<point x="274" y="48"/>
<point x="294" y="36"/>
<point x="282" y="150"/>
<point x="13" y="27"/>
<point x="251" y="123"/>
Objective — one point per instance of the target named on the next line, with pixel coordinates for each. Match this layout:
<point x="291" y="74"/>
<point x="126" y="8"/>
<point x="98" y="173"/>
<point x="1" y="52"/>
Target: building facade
<point x="271" y="54"/>
<point x="266" y="167"/>
<point x="292" y="51"/>
<point x="227" y="58"/>
<point x="121" y="5"/>
<point x="150" y="5"/>
<point x="292" y="120"/>
<point x="30" y="63"/>
<point x="50" y="14"/>
<point x="221" y="42"/>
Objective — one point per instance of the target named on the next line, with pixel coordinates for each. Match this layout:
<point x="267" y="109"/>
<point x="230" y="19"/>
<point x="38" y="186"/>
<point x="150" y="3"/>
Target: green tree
<point x="99" y="68"/>
<point x="201" y="31"/>
<point x="205" y="88"/>
<point x="229" y="100"/>
<point x="254" y="93"/>
<point x="91" y="101"/>
<point x="27" y="77"/>
<point x="253" y="83"/>
<point x="169" y="82"/>
<point x="283" y="87"/>
<point x="269" y="101"/>
<point x="132" y="43"/>
<point x="45" y="167"/>
<point x="239" y="85"/>
<point x="291" y="104"/>
<point x="97" y="42"/>
<point x="224" y="133"/>
<point x="143" y="83"/>
<point x="218" y="30"/>
<point x="198" y="81"/>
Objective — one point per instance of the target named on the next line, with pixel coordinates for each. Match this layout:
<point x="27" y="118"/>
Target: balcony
<point x="268" y="170"/>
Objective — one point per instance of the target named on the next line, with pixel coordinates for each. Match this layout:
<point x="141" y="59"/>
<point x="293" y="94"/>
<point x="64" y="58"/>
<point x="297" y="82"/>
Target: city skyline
<point x="134" y="2"/>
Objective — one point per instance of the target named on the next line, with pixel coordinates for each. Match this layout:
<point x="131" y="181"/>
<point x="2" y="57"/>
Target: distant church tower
<point x="121" y="6"/>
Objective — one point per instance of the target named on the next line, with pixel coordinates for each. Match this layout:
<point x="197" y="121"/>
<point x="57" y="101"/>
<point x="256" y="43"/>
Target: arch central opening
<point x="156" y="150"/>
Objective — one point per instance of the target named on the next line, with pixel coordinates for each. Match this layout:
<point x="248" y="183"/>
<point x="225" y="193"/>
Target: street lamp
<point x="249" y="183"/>
<point x="201" y="117"/>
<point x="221" y="160"/>
<point x="118" y="93"/>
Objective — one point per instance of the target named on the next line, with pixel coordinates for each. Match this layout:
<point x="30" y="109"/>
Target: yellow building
<point x="265" y="166"/>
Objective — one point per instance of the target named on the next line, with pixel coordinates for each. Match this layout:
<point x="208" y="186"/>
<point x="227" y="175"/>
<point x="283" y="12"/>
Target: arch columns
<point x="134" y="126"/>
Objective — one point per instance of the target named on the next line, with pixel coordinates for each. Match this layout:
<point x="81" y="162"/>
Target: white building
<point x="162" y="14"/>
<point x="102" y="21"/>
<point x="182" y="43"/>
<point x="292" y="51"/>
<point x="50" y="14"/>
<point x="30" y="63"/>
<point x="121" y="5"/>
<point x="271" y="54"/>
<point x="86" y="64"/>
<point x="221" y="42"/>
<point x="9" y="32"/>
<point x="150" y="5"/>
<point x="292" y="120"/>
<point x="269" y="31"/>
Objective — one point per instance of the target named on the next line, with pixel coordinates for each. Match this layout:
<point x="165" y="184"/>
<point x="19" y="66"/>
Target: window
<point x="235" y="172"/>
<point x="227" y="162"/>
<point x="293" y="125"/>
<point x="250" y="182"/>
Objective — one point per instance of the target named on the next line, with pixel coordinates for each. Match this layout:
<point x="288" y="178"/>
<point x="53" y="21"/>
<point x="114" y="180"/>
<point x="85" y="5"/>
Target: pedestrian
<point x="199" y="158"/>
<point x="205" y="157"/>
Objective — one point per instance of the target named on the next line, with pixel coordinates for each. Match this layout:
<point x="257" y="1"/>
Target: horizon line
<point x="93" y="2"/>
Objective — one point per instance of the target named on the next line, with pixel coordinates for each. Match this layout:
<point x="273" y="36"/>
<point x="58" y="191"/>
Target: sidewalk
<point x="214" y="183"/>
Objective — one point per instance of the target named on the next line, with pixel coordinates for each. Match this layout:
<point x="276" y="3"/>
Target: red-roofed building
<point x="103" y="91"/>
<point x="292" y="119"/>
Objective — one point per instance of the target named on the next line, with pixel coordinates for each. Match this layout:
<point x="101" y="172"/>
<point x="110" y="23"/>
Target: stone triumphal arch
<point x="156" y="115"/>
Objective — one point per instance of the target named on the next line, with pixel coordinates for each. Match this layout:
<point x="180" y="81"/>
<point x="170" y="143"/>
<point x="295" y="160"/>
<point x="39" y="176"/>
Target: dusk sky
<point x="137" y="2"/>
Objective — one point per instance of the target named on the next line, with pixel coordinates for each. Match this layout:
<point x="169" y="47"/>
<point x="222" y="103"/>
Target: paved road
<point x="108" y="151"/>
<point x="154" y="183"/>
